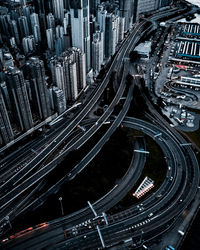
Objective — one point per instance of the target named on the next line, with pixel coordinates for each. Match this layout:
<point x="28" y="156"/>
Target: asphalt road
<point x="53" y="145"/>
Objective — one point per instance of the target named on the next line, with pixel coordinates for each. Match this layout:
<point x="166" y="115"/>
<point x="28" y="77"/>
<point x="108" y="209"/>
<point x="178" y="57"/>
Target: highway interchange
<point x="179" y="185"/>
<point x="17" y="190"/>
<point x="181" y="181"/>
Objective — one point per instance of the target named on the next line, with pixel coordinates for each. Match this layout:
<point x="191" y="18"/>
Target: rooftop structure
<point x="188" y="49"/>
<point x="188" y="82"/>
<point x="144" y="49"/>
<point x="191" y="29"/>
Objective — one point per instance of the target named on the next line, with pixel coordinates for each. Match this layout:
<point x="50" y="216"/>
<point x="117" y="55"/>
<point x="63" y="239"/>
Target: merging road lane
<point x="165" y="209"/>
<point x="178" y="179"/>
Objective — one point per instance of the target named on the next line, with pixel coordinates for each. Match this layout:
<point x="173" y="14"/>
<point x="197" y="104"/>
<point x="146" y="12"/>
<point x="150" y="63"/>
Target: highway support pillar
<point x="100" y="236"/>
<point x="105" y="218"/>
<point x="94" y="212"/>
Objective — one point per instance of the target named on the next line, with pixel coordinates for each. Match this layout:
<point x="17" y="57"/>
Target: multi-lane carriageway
<point x="190" y="152"/>
<point x="128" y="44"/>
<point x="164" y="205"/>
<point x="19" y="188"/>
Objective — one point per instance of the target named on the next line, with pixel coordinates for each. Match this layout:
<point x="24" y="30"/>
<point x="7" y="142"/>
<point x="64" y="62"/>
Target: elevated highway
<point x="181" y="183"/>
<point x="178" y="172"/>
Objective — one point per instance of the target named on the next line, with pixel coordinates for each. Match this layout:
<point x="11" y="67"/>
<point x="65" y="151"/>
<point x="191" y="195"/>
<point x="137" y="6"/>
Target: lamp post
<point x="62" y="211"/>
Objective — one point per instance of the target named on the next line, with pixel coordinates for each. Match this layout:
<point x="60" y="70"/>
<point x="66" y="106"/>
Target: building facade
<point x="6" y="132"/>
<point x="38" y="86"/>
<point x="21" y="110"/>
<point x="80" y="27"/>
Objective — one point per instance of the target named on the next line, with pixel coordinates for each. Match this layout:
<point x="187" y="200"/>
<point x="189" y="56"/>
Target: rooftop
<point x="144" y="48"/>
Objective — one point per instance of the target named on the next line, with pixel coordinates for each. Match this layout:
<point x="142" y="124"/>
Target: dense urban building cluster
<point x="50" y="50"/>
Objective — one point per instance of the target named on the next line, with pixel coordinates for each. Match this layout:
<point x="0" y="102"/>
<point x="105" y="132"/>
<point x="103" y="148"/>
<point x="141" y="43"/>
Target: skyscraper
<point x="13" y="42"/>
<point x="14" y="30"/>
<point x="6" y="131"/>
<point x="50" y="39"/>
<point x="20" y="105"/>
<point x="111" y="36"/>
<point x="93" y="6"/>
<point x="80" y="27"/>
<point x="39" y="6"/>
<point x="28" y="44"/>
<point x="40" y="9"/>
<point x="4" y="20"/>
<point x="73" y="87"/>
<point x="126" y="11"/>
<point x="35" y="25"/>
<point x="121" y="28"/>
<point x="59" y="44"/>
<point x="66" y="78"/>
<point x="59" y="100"/>
<point x="39" y="93"/>
<point x="58" y="6"/>
<point x="27" y="12"/>
<point x="97" y="51"/>
<point x="51" y="21"/>
<point x="79" y="58"/>
<point x="66" y="23"/>
<point x="23" y="25"/>
<point x="101" y="16"/>
<point x="59" y="31"/>
<point x="68" y="72"/>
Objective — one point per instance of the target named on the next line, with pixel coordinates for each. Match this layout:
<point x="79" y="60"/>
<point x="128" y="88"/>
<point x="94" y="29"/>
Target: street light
<point x="60" y="199"/>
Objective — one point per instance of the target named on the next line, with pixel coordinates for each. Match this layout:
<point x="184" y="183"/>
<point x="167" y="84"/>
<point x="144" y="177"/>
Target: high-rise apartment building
<point x="35" y="25"/>
<point x="27" y="12"/>
<point x="121" y="29"/>
<point x="93" y="6"/>
<point x="126" y="11"/>
<point x="13" y="42"/>
<point x="38" y="86"/>
<point x="79" y="58"/>
<point x="14" y="31"/>
<point x="59" y="31"/>
<point x="41" y="11"/>
<point x="51" y="21"/>
<point x="20" y="105"/>
<point x="68" y="72"/>
<point x="101" y="16"/>
<point x="66" y="78"/>
<point x="66" y="21"/>
<point x="6" y="97"/>
<point x="80" y="27"/>
<point x="23" y="25"/>
<point x="40" y="6"/>
<point x="59" y="100"/>
<point x="28" y="44"/>
<point x="111" y="35"/>
<point x="4" y="20"/>
<point x="6" y="132"/>
<point x="50" y="39"/>
<point x="97" y="51"/>
<point x="58" y="8"/>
